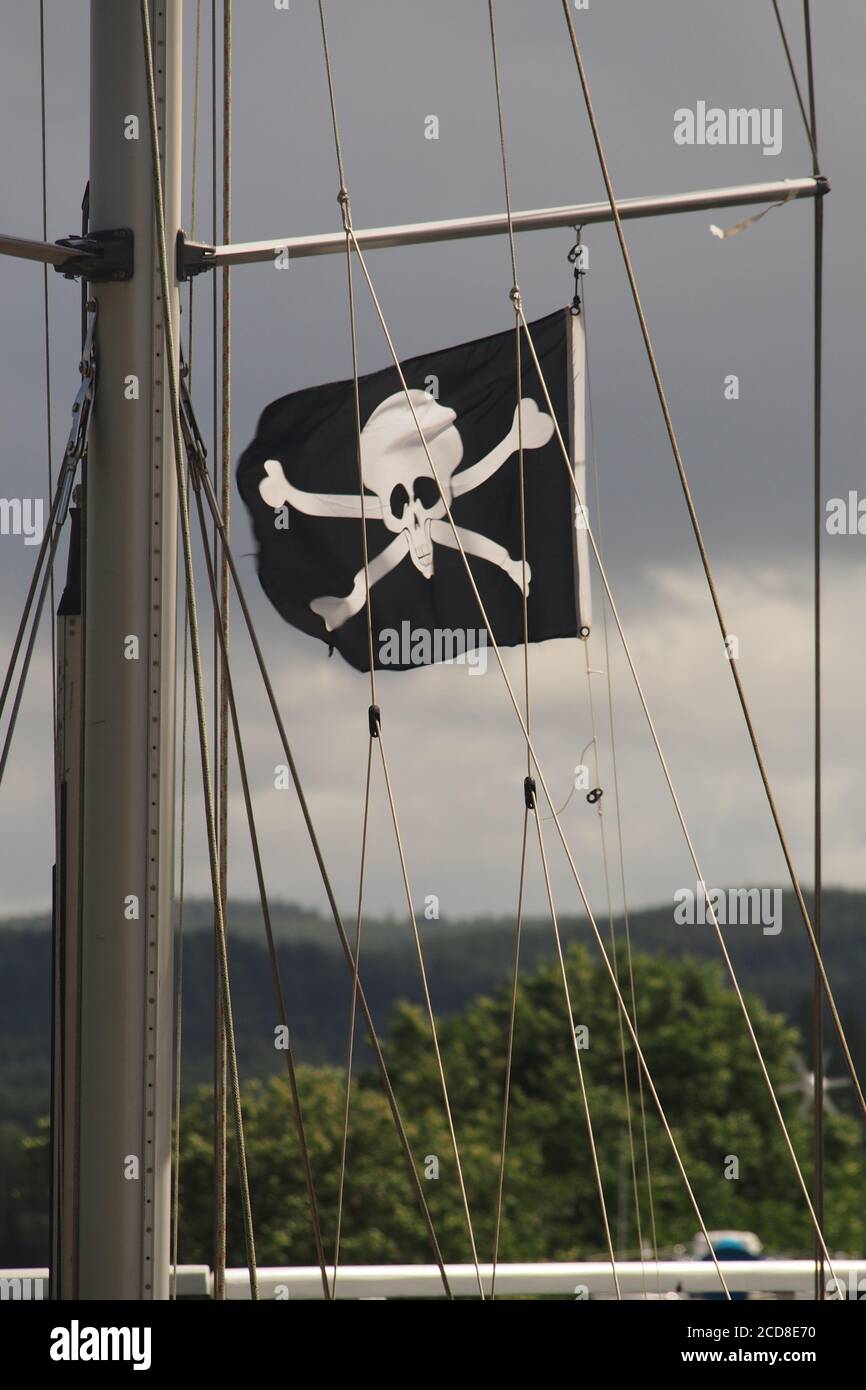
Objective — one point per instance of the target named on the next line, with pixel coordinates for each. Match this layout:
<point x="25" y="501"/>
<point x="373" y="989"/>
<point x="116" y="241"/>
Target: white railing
<point x="784" y="1278"/>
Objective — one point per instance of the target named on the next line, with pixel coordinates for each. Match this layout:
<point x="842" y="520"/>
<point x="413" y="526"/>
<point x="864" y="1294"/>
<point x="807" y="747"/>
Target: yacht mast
<point x="112" y="1195"/>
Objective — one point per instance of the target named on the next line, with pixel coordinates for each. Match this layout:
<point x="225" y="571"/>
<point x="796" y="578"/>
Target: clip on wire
<point x="575" y="258"/>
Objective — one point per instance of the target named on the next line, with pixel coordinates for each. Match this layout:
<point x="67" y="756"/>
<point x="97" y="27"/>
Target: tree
<point x="694" y="1038"/>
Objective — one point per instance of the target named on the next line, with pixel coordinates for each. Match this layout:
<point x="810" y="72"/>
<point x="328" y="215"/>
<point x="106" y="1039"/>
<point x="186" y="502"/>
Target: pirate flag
<point x="299" y="479"/>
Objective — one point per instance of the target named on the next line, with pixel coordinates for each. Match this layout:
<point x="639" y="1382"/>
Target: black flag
<point x="299" y="478"/>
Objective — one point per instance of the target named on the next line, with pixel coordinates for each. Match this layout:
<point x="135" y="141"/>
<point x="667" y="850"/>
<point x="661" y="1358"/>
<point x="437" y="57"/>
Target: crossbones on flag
<point x="299" y="479"/>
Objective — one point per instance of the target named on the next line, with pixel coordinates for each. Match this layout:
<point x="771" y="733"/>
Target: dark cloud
<point x="741" y="306"/>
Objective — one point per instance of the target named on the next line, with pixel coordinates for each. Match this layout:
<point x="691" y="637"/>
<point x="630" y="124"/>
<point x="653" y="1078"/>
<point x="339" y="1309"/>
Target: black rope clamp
<point x="574" y="259"/>
<point x="595" y="795"/>
<point x="529" y="793"/>
<point x="374" y="715"/>
<point x="345" y="208"/>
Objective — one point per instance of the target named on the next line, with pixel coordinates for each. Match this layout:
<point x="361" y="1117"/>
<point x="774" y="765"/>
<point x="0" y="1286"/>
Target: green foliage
<point x="716" y="1101"/>
<point x="465" y="959"/>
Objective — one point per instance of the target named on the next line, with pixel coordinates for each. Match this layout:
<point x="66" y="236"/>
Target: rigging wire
<point x="350" y="1050"/>
<point x="47" y="341"/>
<point x="353" y="1014"/>
<point x="681" y="819"/>
<point x="222" y="637"/>
<point x="47" y="571"/>
<point x="356" y="402"/>
<point x="509" y="1058"/>
<point x="178" y="1020"/>
<point x="518" y="926"/>
<point x="196" y="91"/>
<point x="621" y="1003"/>
<point x="374" y="713"/>
<point x="48" y="543"/>
<point x="616" y="794"/>
<point x="440" y="1067"/>
<point x="458" y="545"/>
<point x="808" y="125"/>
<point x="577" y="1050"/>
<point x="75" y="452"/>
<point x="263" y="900"/>
<point x="213" y="505"/>
<point x="817" y="525"/>
<point x="705" y="559"/>
<point x="362" y="262"/>
<point x="530" y="791"/>
<point x="172" y="365"/>
<point x="614" y="953"/>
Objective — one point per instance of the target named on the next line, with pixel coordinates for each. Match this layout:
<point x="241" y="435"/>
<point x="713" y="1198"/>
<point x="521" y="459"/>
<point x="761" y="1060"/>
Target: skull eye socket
<point x="426" y="492"/>
<point x="399" y="500"/>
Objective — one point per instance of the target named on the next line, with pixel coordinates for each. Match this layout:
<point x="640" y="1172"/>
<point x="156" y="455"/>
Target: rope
<point x="614" y="958"/>
<point x="617" y="801"/>
<point x="583" y="1092"/>
<point x="219" y="1061"/>
<point x="458" y="545"/>
<point x="350" y="1050"/>
<point x="808" y="125"/>
<point x="817" y="491"/>
<point x="178" y="1038"/>
<point x="178" y="1014"/>
<point x="509" y="1057"/>
<point x="375" y="725"/>
<point x="353" y="1013"/>
<point x="173" y="374"/>
<point x="430" y="1015"/>
<point x="213" y="505"/>
<point x="49" y="541"/>
<point x="266" y="913"/>
<point x="705" y="560"/>
<point x="196" y="86"/>
<point x="221" y="624"/>
<point x="680" y="817"/>
<point x="482" y="610"/>
<point x="512" y="1015"/>
<point x="515" y="299"/>
<point x="47" y="341"/>
<point x="55" y="534"/>
<point x="76" y="448"/>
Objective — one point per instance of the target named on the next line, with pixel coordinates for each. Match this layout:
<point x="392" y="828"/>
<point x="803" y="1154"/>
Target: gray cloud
<point x="740" y="306"/>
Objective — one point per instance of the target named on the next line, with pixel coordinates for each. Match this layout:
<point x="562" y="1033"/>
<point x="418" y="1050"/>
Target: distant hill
<point x="464" y="958"/>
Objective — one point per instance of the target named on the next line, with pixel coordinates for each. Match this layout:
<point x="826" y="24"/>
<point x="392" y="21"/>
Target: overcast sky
<point x="740" y="306"/>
